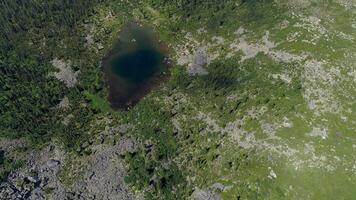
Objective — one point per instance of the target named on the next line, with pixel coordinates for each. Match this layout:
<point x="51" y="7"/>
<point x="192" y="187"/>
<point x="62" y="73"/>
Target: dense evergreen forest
<point x="29" y="33"/>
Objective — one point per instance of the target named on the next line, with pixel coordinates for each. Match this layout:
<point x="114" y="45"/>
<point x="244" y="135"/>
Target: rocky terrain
<point x="101" y="174"/>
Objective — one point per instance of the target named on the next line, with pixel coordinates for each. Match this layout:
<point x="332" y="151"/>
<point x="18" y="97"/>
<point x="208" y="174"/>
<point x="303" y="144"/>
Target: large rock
<point x="205" y="195"/>
<point x="53" y="163"/>
<point x="199" y="63"/>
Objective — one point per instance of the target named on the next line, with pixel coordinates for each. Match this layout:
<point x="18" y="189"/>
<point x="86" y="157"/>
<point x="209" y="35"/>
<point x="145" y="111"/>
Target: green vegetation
<point x="152" y="168"/>
<point x="273" y="118"/>
<point x="7" y="165"/>
<point x="98" y="103"/>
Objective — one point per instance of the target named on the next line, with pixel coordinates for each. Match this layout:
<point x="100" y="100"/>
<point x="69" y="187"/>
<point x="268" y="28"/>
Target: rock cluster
<point x="101" y="178"/>
<point x="29" y="183"/>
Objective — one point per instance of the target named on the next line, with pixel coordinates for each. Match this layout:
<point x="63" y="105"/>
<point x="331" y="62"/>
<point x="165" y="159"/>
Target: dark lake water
<point x="134" y="66"/>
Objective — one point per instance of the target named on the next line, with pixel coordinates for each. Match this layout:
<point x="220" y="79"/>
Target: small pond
<point x="134" y="66"/>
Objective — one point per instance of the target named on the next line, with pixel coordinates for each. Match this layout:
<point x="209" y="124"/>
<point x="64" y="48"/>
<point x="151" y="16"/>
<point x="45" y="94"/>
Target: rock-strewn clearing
<point x="65" y="73"/>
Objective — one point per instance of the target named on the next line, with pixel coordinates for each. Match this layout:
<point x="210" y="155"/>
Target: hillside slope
<point x="260" y="103"/>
